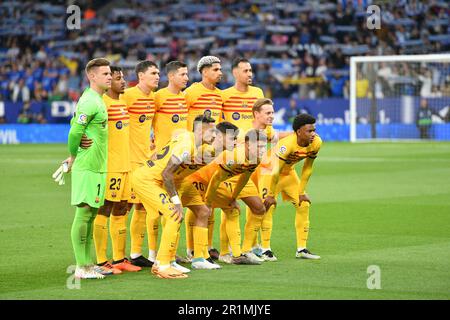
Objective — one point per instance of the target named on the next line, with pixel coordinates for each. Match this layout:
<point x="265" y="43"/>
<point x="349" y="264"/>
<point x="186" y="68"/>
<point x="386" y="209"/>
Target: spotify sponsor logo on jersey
<point x="143" y="117"/>
<point x="237" y="116"/>
<point x="177" y="118"/>
<point x="120" y="124"/>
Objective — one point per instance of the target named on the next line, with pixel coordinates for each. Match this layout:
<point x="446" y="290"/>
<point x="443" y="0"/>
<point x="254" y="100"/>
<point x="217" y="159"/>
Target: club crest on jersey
<point x="236" y="116"/>
<point x="185" y="155"/>
<point x="283" y="149"/>
<point x="113" y="194"/>
<point x="207" y="113"/>
<point x="213" y="101"/>
<point x="142" y="118"/>
<point x="97" y="200"/>
<point x="82" y="119"/>
<point x="244" y="104"/>
<point x="175" y="118"/>
<point x="119" y="125"/>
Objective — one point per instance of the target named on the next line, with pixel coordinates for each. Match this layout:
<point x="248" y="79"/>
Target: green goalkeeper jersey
<point x="91" y="118"/>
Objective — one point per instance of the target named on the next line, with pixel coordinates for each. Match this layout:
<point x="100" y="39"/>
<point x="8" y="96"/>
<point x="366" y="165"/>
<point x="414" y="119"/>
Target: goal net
<point x="400" y="97"/>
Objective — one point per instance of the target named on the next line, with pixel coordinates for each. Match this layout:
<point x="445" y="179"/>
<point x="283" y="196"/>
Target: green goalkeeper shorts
<point x="88" y="187"/>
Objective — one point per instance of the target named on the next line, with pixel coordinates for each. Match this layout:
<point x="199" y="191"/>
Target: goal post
<point x="399" y="98"/>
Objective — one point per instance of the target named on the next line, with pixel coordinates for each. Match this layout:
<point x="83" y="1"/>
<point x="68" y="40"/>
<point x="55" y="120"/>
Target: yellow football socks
<point x="200" y="242"/>
<point x="211" y="229"/>
<point x="101" y="237"/>
<point x="152" y="222"/>
<point x="233" y="231"/>
<point x="118" y="232"/>
<point x="189" y="220"/>
<point x="266" y="228"/>
<point x="302" y="224"/>
<point x="168" y="241"/>
<point x="137" y="231"/>
<point x="252" y="227"/>
<point x="224" y="244"/>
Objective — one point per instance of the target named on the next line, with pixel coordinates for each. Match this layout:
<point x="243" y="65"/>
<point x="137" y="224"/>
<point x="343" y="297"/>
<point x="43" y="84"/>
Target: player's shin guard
<point x="137" y="231"/>
<point x="266" y="228"/>
<point x="252" y="227"/>
<point x="152" y="222"/>
<point x="224" y="244"/>
<point x="210" y="230"/>
<point x="233" y="231"/>
<point x="118" y="232"/>
<point x="302" y="224"/>
<point x="200" y="241"/>
<point x="168" y="241"/>
<point x="80" y="233"/>
<point x="101" y="237"/>
<point x="189" y="220"/>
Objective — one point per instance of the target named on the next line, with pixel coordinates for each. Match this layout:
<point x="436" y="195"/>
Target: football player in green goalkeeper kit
<point x="89" y="166"/>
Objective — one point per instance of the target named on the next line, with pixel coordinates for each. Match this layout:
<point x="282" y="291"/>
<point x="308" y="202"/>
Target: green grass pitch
<point x="380" y="204"/>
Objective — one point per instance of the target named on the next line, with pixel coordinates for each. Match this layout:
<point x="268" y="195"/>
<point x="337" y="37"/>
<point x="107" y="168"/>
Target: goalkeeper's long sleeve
<point x="75" y="134"/>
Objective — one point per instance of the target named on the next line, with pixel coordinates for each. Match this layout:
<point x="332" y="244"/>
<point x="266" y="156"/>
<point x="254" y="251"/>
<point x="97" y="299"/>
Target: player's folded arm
<point x="76" y="132"/>
<point x="79" y="122"/>
<point x="168" y="173"/>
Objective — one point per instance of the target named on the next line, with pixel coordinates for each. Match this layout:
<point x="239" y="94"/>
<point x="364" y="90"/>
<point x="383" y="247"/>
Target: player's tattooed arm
<point x="168" y="174"/>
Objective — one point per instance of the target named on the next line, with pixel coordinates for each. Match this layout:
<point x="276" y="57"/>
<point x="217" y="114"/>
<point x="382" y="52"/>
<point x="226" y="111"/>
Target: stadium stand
<point x="297" y="48"/>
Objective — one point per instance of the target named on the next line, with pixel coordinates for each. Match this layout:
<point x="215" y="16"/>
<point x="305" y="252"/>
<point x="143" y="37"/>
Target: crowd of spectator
<point x="298" y="48"/>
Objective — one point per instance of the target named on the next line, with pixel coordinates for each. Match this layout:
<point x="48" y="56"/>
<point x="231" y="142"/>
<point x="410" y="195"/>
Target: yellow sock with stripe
<point x="252" y="227"/>
<point x="302" y="224"/>
<point x="233" y="231"/>
<point x="173" y="253"/>
<point x="200" y="241"/>
<point x="168" y="241"/>
<point x="266" y="228"/>
<point x="152" y="222"/>
<point x="101" y="237"/>
<point x="247" y="215"/>
<point x="118" y="232"/>
<point x="224" y="243"/>
<point x="211" y="230"/>
<point x="189" y="220"/>
<point x="137" y="232"/>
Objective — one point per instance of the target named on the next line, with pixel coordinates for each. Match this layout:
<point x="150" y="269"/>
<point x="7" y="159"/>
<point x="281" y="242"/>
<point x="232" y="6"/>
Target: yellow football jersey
<point x="184" y="149"/>
<point x="237" y="106"/>
<point x="170" y="117"/>
<point x="233" y="162"/>
<point x="201" y="100"/>
<point x="265" y="162"/>
<point x="289" y="152"/>
<point x="141" y="109"/>
<point x="118" y="135"/>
